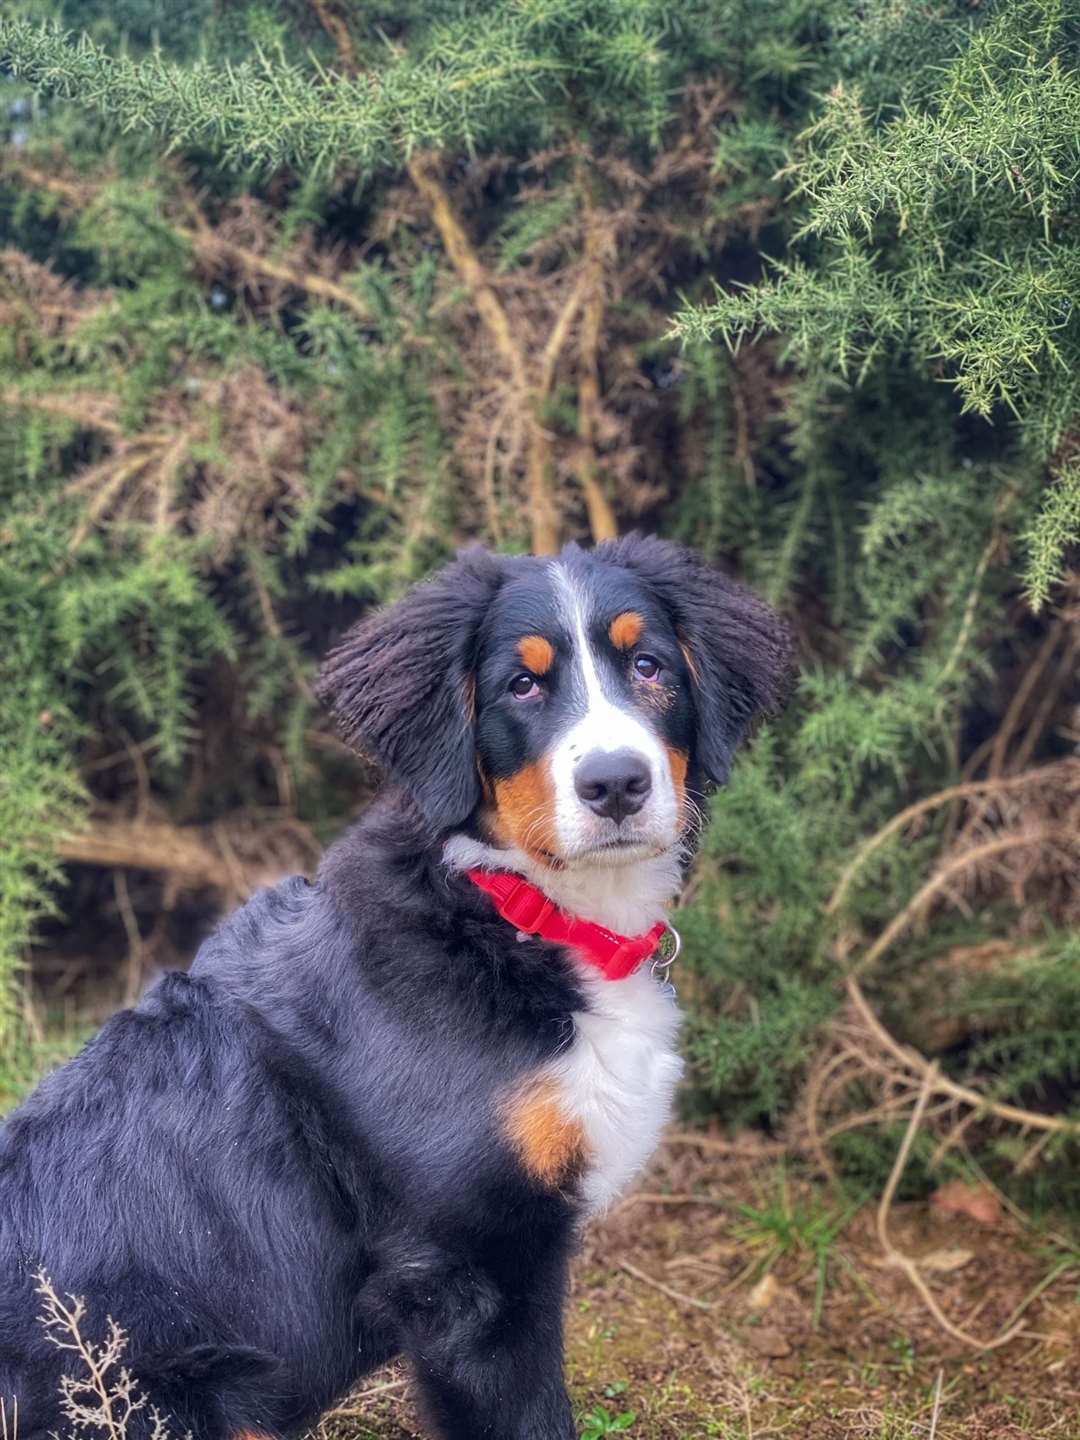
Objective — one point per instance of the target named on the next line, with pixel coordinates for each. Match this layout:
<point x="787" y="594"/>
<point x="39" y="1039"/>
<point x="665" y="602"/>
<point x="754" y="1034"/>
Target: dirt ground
<point x="726" y="1298"/>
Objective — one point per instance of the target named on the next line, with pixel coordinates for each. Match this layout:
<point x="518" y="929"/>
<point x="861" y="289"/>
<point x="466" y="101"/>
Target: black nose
<point x="613" y="783"/>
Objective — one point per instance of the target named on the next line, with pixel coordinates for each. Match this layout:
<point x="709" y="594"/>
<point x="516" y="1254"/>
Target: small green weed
<point x="599" y="1421"/>
<point x="786" y="1226"/>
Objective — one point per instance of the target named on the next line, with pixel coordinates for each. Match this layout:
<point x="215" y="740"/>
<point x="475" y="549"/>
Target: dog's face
<point x="575" y="708"/>
<point x="584" y="715"/>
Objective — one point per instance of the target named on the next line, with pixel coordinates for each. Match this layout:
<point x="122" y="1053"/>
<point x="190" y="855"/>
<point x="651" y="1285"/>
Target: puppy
<point x="372" y="1117"/>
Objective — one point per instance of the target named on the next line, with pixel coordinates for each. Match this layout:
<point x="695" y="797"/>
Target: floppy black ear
<point x="399" y="685"/>
<point x="738" y="650"/>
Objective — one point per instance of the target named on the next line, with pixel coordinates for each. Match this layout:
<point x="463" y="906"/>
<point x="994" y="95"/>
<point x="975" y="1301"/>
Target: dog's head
<point x="573" y="708"/>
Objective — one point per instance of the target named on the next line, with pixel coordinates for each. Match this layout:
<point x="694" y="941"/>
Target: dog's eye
<point x="524" y="687"/>
<point x="647" y="666"/>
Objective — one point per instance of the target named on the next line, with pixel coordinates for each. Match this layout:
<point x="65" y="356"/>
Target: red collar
<point x="528" y="909"/>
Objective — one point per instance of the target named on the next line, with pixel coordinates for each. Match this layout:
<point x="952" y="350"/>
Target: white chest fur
<point x="618" y="1077"/>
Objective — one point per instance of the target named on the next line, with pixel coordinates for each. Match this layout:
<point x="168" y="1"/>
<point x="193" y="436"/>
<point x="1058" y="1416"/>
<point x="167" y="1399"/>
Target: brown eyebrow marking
<point x="625" y="630"/>
<point x="537" y="654"/>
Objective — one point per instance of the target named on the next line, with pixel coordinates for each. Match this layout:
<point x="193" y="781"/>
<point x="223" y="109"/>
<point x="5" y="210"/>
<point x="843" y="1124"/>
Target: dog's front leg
<point x="490" y="1368"/>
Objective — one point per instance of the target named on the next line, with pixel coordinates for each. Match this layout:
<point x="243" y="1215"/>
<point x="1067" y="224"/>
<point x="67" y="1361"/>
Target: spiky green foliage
<point x="251" y="398"/>
<point x="941" y="225"/>
<point x="471" y="75"/>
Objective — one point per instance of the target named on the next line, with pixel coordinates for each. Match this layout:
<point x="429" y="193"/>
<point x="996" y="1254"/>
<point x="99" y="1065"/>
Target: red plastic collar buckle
<point x="527" y="907"/>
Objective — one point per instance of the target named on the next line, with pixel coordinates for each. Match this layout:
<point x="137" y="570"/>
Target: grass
<point x="804" y="1228"/>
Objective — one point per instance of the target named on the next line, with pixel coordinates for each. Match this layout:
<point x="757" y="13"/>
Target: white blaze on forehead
<point x="603" y="725"/>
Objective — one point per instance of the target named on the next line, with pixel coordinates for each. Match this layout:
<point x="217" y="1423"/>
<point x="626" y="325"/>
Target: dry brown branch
<point x="338" y="30"/>
<point x="232" y="858"/>
<point x="182" y="851"/>
<point x="748" y="1149"/>
<point x="210" y="244"/>
<point x="965" y="859"/>
<point x="911" y="1060"/>
<point x="1065" y="672"/>
<point x="543" y="515"/>
<point x="136" y="948"/>
<point x="77" y="193"/>
<point x="468" y="266"/>
<point x="1066" y="770"/>
<point x="92" y="412"/>
<point x="647" y="1197"/>
<point x="1021" y="695"/>
<point x="664" y="1289"/>
<point x="560" y="334"/>
<point x="602" y="522"/>
<point x="904" y="1263"/>
<point x="954" y="1136"/>
<point x="105" y="482"/>
<point x="105" y="1398"/>
<point x="491" y="498"/>
<point x="815" y="1087"/>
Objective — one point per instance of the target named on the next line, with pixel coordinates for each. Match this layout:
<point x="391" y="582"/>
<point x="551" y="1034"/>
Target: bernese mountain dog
<point x="370" y="1121"/>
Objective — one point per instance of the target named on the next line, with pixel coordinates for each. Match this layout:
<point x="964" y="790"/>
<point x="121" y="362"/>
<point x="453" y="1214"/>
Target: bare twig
<point x="646" y="1197"/>
<point x="338" y="31"/>
<point x="989" y="849"/>
<point x="353" y="1407"/>
<point x="664" y="1289"/>
<point x="105" y="1397"/>
<point x="1021" y="695"/>
<point x="903" y="1262"/>
<point x="136" y="948"/>
<point x="912" y="1060"/>
<point x="937" y="1403"/>
<point x="1063" y="769"/>
<point x="183" y="851"/>
<point x="459" y="248"/>
<point x="737" y="1149"/>
<point x="602" y="521"/>
<point x="213" y="242"/>
<point x="1064" y="673"/>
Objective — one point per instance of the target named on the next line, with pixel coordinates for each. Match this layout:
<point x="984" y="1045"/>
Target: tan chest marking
<point x="549" y="1142"/>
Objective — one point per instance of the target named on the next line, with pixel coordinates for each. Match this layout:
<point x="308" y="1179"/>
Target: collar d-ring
<point x="670" y="946"/>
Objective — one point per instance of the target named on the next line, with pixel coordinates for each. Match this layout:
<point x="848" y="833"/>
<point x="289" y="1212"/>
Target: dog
<point x="372" y="1118"/>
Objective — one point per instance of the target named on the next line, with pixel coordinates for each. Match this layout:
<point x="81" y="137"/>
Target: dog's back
<point x="176" y="1174"/>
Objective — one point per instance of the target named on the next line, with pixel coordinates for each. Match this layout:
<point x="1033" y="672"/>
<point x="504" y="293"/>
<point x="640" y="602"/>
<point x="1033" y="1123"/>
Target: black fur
<point x="287" y="1166"/>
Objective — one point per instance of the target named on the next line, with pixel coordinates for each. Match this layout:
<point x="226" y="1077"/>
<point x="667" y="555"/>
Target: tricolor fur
<point x="372" y="1117"/>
